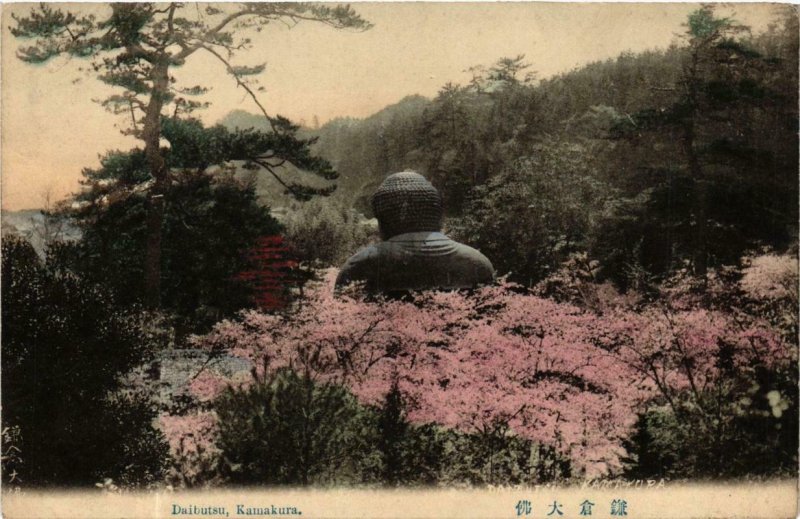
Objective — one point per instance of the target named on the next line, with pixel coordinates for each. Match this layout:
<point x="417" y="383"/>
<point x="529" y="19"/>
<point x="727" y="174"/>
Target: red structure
<point x="274" y="273"/>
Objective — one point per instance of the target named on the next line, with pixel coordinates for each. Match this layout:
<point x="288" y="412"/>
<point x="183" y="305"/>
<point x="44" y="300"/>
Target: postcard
<point x="399" y="259"/>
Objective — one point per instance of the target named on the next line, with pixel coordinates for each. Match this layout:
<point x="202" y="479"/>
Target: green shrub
<point x="65" y="347"/>
<point x="325" y="233"/>
<point x="287" y="429"/>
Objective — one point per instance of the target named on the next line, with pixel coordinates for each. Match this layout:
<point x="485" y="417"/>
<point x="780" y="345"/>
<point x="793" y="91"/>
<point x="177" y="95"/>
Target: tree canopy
<point x="697" y="142"/>
<point x="66" y="345"/>
<point x="212" y="221"/>
<point x="137" y="45"/>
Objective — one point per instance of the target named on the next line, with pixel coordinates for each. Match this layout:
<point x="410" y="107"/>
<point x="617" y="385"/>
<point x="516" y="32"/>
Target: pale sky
<point x="51" y="128"/>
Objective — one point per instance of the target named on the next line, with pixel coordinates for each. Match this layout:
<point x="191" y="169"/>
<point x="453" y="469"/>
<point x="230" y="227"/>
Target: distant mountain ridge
<point x="352" y="145"/>
<point x="410" y="104"/>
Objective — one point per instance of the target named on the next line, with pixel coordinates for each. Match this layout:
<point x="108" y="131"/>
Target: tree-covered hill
<point x="426" y="134"/>
<point x="650" y="162"/>
<point x="363" y="151"/>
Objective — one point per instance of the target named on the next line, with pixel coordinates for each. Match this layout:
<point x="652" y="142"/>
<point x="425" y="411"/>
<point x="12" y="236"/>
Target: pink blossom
<point x="190" y="433"/>
<point x="206" y="386"/>
<point x="556" y="374"/>
<point x="192" y="442"/>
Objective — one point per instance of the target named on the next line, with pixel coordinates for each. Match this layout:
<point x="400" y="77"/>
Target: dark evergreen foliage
<point x="196" y="147"/>
<point x="698" y="143"/>
<point x="211" y="222"/>
<point x="288" y="429"/>
<point x="719" y="186"/>
<point x="66" y="345"/>
<point x="136" y="46"/>
<point x="643" y="166"/>
<point x="532" y="216"/>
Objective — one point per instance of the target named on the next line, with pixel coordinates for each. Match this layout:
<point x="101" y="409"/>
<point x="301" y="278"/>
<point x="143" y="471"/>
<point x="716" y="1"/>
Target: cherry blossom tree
<point x="477" y="363"/>
<point x="500" y="360"/>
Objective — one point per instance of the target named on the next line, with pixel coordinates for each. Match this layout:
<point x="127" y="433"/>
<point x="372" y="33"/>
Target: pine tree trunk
<point x="700" y="259"/>
<point x="152" y="266"/>
<point x="155" y="206"/>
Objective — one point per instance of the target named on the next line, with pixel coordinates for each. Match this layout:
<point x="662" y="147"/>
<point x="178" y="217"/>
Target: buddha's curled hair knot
<point x="406" y="202"/>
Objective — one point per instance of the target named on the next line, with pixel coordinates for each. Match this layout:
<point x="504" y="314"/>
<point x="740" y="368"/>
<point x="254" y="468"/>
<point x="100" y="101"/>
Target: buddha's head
<point x="406" y="202"/>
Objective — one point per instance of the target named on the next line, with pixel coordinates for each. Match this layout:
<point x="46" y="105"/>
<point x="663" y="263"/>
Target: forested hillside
<point x="649" y="162"/>
<point x="364" y="151"/>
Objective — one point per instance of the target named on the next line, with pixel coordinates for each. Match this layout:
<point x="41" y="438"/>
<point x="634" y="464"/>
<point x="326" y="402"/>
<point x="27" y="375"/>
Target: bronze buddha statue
<point x="414" y="254"/>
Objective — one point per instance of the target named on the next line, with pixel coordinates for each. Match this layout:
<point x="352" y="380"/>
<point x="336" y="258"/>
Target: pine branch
<point x="232" y="71"/>
<point x="270" y="169"/>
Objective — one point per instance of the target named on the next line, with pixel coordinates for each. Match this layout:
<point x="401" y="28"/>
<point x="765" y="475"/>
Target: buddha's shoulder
<point x="472" y="255"/>
<point x="365" y="254"/>
<point x="359" y="264"/>
<point x="440" y="247"/>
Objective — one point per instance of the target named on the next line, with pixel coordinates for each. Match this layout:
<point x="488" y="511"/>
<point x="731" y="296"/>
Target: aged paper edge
<point x="774" y="499"/>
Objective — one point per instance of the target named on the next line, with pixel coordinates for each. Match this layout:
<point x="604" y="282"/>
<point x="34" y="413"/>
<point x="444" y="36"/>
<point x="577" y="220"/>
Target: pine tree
<point x="136" y="47"/>
<point x="212" y="220"/>
<point x="718" y="186"/>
